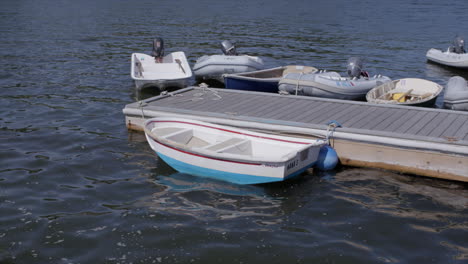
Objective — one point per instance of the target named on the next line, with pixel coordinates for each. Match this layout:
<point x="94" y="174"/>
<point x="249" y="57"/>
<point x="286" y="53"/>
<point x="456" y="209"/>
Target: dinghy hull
<point x="407" y="91"/>
<point x="329" y="85"/>
<point x="222" y="161"/>
<point x="262" y="80"/>
<point x="448" y="58"/>
<point x="268" y="86"/>
<point x="213" y="67"/>
<point x="174" y="71"/>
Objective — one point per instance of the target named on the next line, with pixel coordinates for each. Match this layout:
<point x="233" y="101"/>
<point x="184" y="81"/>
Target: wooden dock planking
<point x="437" y="132"/>
<point x="371" y="116"/>
<point x="261" y="108"/>
<point x="463" y="131"/>
<point x="303" y="114"/>
<point x="252" y="103"/>
<point x="437" y="128"/>
<point x="410" y="122"/>
<point x="357" y="115"/>
<point x="239" y="105"/>
<point x="345" y="115"/>
<point x="279" y="109"/>
<point x="330" y="115"/>
<point x="371" y="125"/>
<point x="403" y="119"/>
<point x="435" y="122"/>
<point x="420" y="124"/>
<point x="454" y="127"/>
<point x="296" y="111"/>
<point x="352" y="120"/>
<point x="382" y="117"/>
<point x="393" y="117"/>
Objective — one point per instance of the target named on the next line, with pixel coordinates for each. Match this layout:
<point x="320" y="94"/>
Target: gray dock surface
<point x="425" y="125"/>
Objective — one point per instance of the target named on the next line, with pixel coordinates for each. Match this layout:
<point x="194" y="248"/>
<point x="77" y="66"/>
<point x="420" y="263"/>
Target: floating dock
<point x="423" y="141"/>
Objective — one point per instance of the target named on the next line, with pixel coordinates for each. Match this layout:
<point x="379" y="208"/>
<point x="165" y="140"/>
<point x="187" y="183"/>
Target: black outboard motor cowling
<point x="158" y="48"/>
<point x="228" y="48"/>
<point x="458" y="45"/>
<point x="354" y="67"/>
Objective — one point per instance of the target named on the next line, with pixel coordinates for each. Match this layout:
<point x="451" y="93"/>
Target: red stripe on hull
<point x="201" y="156"/>
<point x="231" y="131"/>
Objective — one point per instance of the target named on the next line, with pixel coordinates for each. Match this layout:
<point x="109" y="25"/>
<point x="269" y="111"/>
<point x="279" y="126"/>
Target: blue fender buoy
<point x="327" y="158"/>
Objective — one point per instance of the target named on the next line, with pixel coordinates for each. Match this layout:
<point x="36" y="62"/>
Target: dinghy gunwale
<point x="245" y="75"/>
<point x="308" y="143"/>
<point x="387" y="87"/>
<point x="250" y="76"/>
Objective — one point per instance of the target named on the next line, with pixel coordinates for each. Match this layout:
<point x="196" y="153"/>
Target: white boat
<point x="456" y="94"/>
<point x="214" y="66"/>
<point x="455" y="56"/>
<point x="263" y="80"/>
<point x="448" y="58"/>
<point x="160" y="71"/>
<point x="408" y="91"/>
<point x="332" y="84"/>
<point x="329" y="85"/>
<point x="230" y="154"/>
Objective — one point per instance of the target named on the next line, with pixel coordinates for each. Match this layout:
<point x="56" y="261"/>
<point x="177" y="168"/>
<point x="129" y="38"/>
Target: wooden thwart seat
<point x="232" y="145"/>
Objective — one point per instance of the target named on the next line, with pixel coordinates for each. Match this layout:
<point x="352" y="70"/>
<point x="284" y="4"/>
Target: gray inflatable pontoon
<point x="455" y="56"/>
<point x="213" y="67"/>
<point x="456" y="94"/>
<point x="332" y="84"/>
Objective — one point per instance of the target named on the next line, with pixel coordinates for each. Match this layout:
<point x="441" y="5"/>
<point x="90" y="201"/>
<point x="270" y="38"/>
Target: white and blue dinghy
<point x="455" y="56"/>
<point x="157" y="70"/>
<point x="230" y="154"/>
<point x="214" y="66"/>
<point x="332" y="84"/>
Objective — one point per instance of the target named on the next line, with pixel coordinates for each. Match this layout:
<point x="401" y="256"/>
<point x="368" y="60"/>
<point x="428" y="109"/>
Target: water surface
<point x="77" y="187"/>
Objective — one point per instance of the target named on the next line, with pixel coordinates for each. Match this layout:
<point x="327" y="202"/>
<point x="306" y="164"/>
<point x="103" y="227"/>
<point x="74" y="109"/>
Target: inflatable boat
<point x="455" y="56"/>
<point x="213" y="67"/>
<point x="332" y="84"/>
<point x="157" y="70"/>
<point x="448" y="58"/>
<point x="456" y="94"/>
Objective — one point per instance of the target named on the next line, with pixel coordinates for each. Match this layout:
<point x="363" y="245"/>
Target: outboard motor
<point x="458" y="45"/>
<point x="158" y="49"/>
<point x="228" y="48"/>
<point x="355" y="67"/>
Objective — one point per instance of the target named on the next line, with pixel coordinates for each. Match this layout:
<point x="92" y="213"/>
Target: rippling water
<point x="77" y="187"/>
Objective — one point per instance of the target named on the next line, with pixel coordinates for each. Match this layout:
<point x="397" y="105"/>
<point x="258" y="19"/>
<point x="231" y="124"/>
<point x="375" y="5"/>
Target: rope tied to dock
<point x="205" y="90"/>
<point x="170" y="93"/>
<point x="332" y="125"/>
<point x="141" y="104"/>
<point x="298" y="80"/>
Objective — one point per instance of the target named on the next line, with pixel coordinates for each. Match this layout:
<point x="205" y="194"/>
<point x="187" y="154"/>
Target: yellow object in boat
<point x="399" y="97"/>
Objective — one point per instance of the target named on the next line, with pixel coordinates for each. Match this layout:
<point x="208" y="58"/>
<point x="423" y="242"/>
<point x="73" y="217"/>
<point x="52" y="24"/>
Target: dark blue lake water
<point x="77" y="187"/>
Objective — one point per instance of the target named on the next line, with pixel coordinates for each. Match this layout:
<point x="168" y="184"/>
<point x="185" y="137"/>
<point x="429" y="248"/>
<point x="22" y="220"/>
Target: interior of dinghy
<point x="222" y="143"/>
